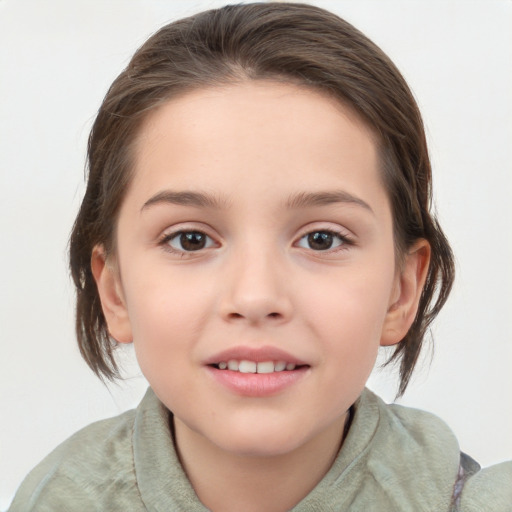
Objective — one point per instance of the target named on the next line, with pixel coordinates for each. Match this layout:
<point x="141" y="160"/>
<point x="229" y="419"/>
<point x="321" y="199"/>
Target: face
<point x="255" y="268"/>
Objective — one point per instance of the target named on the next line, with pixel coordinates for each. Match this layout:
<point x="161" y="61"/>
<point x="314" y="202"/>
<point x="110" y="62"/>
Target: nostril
<point x="236" y="316"/>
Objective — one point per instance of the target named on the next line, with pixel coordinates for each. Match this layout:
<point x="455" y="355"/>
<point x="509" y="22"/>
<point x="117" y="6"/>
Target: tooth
<point x="233" y="365"/>
<point x="290" y="366"/>
<point x="266" y="367"/>
<point x="223" y="365"/>
<point x="280" y="366"/>
<point x="247" y="367"/>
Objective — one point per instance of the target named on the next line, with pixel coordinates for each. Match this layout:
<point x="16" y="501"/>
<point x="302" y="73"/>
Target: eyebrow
<point x="295" y="201"/>
<point x="184" y="198"/>
<point x="307" y="199"/>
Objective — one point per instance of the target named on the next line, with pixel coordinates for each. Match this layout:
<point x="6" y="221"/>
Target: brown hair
<point x="296" y="43"/>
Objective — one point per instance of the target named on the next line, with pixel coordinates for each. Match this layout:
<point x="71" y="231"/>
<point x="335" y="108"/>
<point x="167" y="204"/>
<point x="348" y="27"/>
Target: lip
<point x="256" y="384"/>
<point x="256" y="354"/>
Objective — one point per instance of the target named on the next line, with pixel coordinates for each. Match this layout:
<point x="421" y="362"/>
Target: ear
<point x="108" y="281"/>
<point x="406" y="294"/>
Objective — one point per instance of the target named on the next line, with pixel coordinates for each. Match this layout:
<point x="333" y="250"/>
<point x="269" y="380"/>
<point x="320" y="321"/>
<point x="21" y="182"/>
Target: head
<point x="289" y="44"/>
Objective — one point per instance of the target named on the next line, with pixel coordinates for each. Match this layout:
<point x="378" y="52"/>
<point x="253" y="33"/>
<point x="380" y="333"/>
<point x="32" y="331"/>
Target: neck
<point x="229" y="482"/>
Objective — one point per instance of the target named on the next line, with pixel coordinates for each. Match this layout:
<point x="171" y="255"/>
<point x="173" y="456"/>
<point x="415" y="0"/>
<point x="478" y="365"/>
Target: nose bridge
<point x="256" y="288"/>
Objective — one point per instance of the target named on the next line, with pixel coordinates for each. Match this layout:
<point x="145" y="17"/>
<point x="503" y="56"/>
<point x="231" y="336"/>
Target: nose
<point x="255" y="288"/>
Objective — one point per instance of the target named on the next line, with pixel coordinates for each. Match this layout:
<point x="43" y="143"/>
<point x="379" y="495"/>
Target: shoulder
<point x="92" y="463"/>
<point x="120" y="464"/>
<point x="415" y="434"/>
<point x="413" y="456"/>
<point x="489" y="489"/>
<point x="424" y="453"/>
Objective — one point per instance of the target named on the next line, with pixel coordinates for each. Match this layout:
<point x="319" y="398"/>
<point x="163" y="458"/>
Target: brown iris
<point x="192" y="240"/>
<point x="320" y="240"/>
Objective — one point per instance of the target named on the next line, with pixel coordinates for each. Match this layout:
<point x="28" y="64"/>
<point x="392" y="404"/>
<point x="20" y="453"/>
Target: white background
<point x="57" y="58"/>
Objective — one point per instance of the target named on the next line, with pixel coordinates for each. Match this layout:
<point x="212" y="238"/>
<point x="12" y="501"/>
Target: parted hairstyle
<point x="291" y="43"/>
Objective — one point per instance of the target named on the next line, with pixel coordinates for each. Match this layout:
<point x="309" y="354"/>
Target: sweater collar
<point x="393" y="459"/>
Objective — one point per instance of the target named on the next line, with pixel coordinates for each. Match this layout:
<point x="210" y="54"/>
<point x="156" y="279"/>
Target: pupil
<point x="192" y="241"/>
<point x="320" y="240"/>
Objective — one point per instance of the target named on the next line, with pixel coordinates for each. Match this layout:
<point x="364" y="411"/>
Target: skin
<point x="258" y="281"/>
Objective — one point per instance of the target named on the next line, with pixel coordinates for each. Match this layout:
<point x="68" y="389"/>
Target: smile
<point x="246" y="366"/>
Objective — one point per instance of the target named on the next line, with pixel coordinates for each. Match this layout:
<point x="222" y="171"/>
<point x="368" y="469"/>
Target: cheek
<point x="166" y="314"/>
<point x="348" y="311"/>
<point x="169" y="315"/>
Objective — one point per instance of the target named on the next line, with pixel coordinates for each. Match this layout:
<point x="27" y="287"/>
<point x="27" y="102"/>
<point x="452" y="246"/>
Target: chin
<point x="259" y="447"/>
<point x="260" y="438"/>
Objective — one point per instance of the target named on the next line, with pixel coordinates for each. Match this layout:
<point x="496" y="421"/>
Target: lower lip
<point x="257" y="384"/>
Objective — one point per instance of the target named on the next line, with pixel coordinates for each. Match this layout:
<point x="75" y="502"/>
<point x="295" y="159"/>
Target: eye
<point x="322" y="240"/>
<point x="188" y="241"/>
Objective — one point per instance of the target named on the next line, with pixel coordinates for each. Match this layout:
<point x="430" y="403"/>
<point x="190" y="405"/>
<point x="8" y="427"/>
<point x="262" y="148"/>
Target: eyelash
<point x="166" y="239"/>
<point x="344" y="241"/>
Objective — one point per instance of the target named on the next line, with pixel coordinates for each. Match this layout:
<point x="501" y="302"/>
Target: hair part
<point x="292" y="43"/>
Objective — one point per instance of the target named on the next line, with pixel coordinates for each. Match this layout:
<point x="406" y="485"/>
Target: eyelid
<point x="345" y="235"/>
<point x="209" y="242"/>
<point x="174" y="231"/>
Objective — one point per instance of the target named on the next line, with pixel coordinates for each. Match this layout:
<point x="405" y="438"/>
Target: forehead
<point x="282" y="134"/>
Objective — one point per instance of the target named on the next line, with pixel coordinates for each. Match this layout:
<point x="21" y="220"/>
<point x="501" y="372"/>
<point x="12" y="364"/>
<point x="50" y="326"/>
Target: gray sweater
<point x="394" y="459"/>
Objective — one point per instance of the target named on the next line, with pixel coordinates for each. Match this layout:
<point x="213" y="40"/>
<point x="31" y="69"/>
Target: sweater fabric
<point x="394" y="459"/>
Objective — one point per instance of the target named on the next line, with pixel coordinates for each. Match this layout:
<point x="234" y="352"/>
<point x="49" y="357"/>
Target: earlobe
<point x="111" y="296"/>
<point x="407" y="293"/>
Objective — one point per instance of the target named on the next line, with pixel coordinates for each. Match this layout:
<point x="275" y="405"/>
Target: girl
<point x="257" y="223"/>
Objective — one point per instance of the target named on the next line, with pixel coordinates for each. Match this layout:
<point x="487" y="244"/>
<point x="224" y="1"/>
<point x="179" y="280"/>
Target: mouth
<point x="247" y="366"/>
<point x="257" y="372"/>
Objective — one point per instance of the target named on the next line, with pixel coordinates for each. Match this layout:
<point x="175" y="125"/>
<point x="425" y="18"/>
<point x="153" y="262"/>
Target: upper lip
<point x="256" y="354"/>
